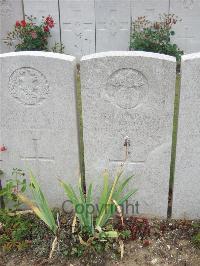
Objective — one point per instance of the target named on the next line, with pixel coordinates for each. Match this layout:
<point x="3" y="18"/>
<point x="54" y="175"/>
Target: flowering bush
<point x="29" y="35"/>
<point x="8" y="193"/>
<point x="2" y="205"/>
<point x="3" y="148"/>
<point x="155" y="36"/>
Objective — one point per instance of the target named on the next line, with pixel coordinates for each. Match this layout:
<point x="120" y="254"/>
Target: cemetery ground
<point x="27" y="241"/>
<point x="150" y="242"/>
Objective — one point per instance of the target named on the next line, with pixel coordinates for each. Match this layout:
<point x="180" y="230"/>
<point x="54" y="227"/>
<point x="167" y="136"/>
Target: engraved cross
<point x="36" y="157"/>
<point x="127" y="145"/>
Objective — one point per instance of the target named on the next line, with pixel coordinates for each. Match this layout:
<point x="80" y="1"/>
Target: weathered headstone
<point x="187" y="30"/>
<point x="152" y="9"/>
<point x="112" y="25"/>
<point x="78" y="26"/>
<point x="10" y="12"/>
<point x="38" y="118"/>
<point x="127" y="112"/>
<point x="43" y="8"/>
<point x="186" y="196"/>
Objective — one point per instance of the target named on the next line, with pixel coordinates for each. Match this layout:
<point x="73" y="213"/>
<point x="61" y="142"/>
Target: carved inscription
<point x="5" y="8"/>
<point x="36" y="157"/>
<point x="28" y="86"/>
<point x="188" y="4"/>
<point x="127" y="88"/>
<point x="113" y="27"/>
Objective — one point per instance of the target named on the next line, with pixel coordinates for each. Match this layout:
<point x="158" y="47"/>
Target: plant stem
<point x="2" y="203"/>
<point x="110" y="197"/>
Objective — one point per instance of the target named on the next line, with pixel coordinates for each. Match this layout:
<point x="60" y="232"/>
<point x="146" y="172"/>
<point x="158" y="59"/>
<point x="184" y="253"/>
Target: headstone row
<point x="128" y="107"/>
<point x="89" y="26"/>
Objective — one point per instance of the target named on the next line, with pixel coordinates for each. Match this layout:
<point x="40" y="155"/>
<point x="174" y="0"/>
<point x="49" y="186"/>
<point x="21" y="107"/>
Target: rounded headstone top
<point x="40" y="54"/>
<point x="129" y="54"/>
<point x="190" y="57"/>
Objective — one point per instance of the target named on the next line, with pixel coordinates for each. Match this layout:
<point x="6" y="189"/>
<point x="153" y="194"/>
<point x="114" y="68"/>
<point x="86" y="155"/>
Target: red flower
<point x="15" y="190"/>
<point x="23" y="23"/>
<point x="49" y="21"/>
<point x="33" y="34"/>
<point x="28" y="241"/>
<point x="17" y="24"/>
<point x="3" y="148"/>
<point x="46" y="28"/>
<point x="146" y="243"/>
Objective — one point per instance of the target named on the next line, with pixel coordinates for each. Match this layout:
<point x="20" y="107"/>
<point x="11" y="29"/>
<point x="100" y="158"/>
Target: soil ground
<point x="161" y="242"/>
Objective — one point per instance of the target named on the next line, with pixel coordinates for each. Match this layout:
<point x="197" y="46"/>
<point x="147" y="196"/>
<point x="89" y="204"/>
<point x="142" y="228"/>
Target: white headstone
<point x="78" y="26"/>
<point x="128" y="97"/>
<point x="187" y="31"/>
<point x="186" y="196"/>
<point x="10" y="12"/>
<point x="112" y="25"/>
<point x="43" y="8"/>
<point x="152" y="9"/>
<point x="38" y="118"/>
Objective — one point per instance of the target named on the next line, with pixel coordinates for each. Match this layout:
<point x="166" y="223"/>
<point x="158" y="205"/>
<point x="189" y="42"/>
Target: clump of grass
<point x="196" y="237"/>
<point x="196" y="240"/>
<point x="15" y="231"/>
<point x="40" y="207"/>
<point x="110" y="201"/>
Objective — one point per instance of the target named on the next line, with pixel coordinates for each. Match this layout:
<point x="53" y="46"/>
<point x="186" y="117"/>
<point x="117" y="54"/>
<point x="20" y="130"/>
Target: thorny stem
<point x="2" y="203"/>
<point x="127" y="144"/>
<point x="17" y="185"/>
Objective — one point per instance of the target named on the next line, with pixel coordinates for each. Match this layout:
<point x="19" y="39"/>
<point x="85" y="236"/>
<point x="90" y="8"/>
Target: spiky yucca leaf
<point x="73" y="198"/>
<point x="100" y="221"/>
<point x="105" y="192"/>
<point x="40" y="205"/>
<point x="110" y="198"/>
<point x="108" y="208"/>
<point x="83" y="201"/>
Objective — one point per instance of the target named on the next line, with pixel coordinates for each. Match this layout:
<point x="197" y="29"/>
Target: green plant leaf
<point x="40" y="205"/>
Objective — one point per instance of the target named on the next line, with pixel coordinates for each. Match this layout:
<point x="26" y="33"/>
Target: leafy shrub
<point x="2" y="204"/>
<point x="15" y="231"/>
<point x="138" y="228"/>
<point x="8" y="192"/>
<point x="32" y="37"/>
<point x="58" y="48"/>
<point x="196" y="240"/>
<point x="155" y="36"/>
<point x="109" y="202"/>
<point x="196" y="236"/>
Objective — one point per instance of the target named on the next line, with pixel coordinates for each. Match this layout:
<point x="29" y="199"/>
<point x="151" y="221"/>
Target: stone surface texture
<point x="10" y="11"/>
<point x="112" y="25"/>
<point x="186" y="199"/>
<point x="38" y="122"/>
<point x="78" y="26"/>
<point x="40" y="8"/>
<point x="187" y="30"/>
<point x="128" y="98"/>
<point x="149" y="8"/>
